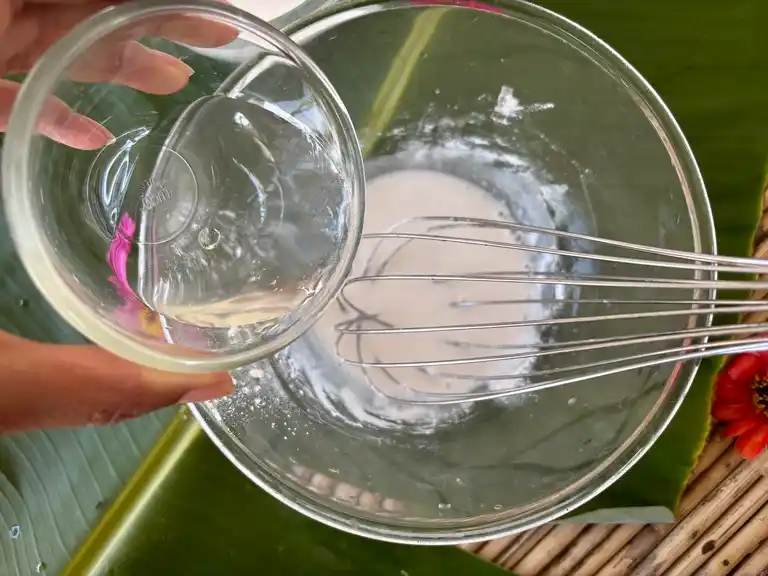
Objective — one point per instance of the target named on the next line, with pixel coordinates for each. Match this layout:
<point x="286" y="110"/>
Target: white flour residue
<point x="397" y="202"/>
<point x="508" y="107"/>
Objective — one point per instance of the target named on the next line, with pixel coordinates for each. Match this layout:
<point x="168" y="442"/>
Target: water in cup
<point x="239" y="215"/>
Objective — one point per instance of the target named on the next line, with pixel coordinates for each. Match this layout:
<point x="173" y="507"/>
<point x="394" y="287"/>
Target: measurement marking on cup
<point x="153" y="194"/>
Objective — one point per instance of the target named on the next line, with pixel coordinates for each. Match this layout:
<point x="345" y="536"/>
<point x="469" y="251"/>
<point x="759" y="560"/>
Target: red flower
<point x="741" y="402"/>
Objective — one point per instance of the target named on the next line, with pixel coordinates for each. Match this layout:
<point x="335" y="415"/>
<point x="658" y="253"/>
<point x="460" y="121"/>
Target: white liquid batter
<point x="392" y="202"/>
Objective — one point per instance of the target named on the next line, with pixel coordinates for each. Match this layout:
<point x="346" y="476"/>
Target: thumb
<point x="53" y="385"/>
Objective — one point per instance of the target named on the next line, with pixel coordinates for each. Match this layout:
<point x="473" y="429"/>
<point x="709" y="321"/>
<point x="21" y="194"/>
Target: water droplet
<point x="444" y="505"/>
<point x="497" y="506"/>
<point x="209" y="238"/>
<point x="23" y="303"/>
<point x="15" y="531"/>
<point x="40" y="568"/>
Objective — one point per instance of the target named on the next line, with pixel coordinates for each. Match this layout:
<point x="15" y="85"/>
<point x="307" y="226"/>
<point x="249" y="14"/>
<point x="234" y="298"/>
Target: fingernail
<point x="188" y="70"/>
<point x="171" y="63"/>
<point x="80" y="132"/>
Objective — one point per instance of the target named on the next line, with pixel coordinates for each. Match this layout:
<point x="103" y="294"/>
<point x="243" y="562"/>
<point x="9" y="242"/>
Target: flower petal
<point x="753" y="442"/>
<point x="740" y="427"/>
<point x="727" y="412"/>
<point x="733" y="392"/>
<point x="742" y="369"/>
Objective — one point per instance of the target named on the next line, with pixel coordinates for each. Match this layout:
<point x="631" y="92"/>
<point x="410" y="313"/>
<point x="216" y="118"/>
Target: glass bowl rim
<point x="631" y="450"/>
<point x="27" y="230"/>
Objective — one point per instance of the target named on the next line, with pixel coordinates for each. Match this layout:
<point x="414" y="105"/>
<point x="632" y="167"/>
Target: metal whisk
<point x="506" y="308"/>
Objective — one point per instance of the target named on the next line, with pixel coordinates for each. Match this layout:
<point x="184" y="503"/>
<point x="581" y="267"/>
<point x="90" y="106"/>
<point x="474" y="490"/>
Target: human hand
<point x="49" y="385"/>
<point x="29" y="27"/>
<point x="54" y="385"/>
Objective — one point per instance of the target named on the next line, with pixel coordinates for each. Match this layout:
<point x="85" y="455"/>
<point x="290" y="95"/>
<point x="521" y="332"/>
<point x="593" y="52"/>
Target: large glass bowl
<point x="181" y="210"/>
<point x="560" y="132"/>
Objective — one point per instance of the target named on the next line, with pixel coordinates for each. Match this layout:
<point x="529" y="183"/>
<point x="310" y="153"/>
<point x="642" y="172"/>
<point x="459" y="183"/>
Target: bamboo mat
<point x="722" y="526"/>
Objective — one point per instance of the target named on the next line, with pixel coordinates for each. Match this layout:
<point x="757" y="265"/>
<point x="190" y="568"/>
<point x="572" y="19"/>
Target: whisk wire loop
<point x="606" y="302"/>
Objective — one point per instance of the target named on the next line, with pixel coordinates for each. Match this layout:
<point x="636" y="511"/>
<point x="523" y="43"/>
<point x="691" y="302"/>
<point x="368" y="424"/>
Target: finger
<point x="53" y="21"/>
<point x="8" y="8"/>
<point x="199" y="31"/>
<point x="136" y="66"/>
<point x="49" y="385"/>
<point x="50" y="24"/>
<point x="57" y="121"/>
<point x="18" y="38"/>
<point x="128" y="63"/>
<point x="6" y="14"/>
<point x="193" y="30"/>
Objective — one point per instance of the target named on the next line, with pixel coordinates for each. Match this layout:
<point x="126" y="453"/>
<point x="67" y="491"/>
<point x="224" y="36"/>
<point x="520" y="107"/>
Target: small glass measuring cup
<point x="208" y="211"/>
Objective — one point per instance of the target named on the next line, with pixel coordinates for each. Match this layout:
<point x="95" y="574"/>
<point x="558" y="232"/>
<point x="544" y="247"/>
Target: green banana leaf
<point x="54" y="485"/>
<point x="706" y="59"/>
<point x="267" y="536"/>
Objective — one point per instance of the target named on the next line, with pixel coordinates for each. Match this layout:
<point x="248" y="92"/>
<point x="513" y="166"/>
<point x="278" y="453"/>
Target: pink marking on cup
<point x="117" y="256"/>
<point x="133" y="315"/>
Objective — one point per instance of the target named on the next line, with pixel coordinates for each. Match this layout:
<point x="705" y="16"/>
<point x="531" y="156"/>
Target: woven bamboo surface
<point x="722" y="526"/>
